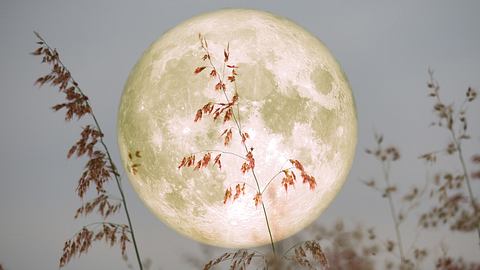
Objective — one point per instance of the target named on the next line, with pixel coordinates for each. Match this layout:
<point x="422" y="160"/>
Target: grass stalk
<point x="110" y="160"/>
<point x="386" y="177"/>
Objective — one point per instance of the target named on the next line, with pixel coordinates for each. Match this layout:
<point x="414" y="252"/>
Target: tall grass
<point x="452" y="201"/>
<point x="99" y="169"/>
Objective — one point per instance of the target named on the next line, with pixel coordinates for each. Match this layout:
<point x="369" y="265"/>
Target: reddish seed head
<point x="199" y="69"/>
<point x="257" y="198"/>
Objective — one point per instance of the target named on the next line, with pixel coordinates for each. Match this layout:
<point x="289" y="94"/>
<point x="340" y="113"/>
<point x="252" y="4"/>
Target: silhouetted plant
<point x="336" y="247"/>
<point x="347" y="248"/>
<point x="240" y="259"/>
<point x="456" y="203"/>
<point x="386" y="156"/>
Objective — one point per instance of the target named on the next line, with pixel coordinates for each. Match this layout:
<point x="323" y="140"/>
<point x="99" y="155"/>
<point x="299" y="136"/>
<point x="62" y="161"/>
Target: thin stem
<point x="284" y="255"/>
<point x="254" y="256"/>
<point x="393" y="212"/>
<point x="266" y="216"/>
<point x="416" y="201"/>
<point x="256" y="181"/>
<point x="458" y="146"/>
<point x="467" y="177"/>
<point x="102" y="223"/>
<point x="238" y="104"/>
<point x="117" y="180"/>
<point x="112" y="165"/>
<point x="205" y="47"/>
<point x="219" y="151"/>
<point x="273" y="178"/>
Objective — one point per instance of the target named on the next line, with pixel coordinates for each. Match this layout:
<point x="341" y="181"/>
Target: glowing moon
<point x="295" y="102"/>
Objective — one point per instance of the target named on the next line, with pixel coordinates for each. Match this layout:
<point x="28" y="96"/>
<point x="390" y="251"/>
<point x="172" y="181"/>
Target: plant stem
<point x="393" y="212"/>
<point x="117" y="180"/>
<point x="220" y="78"/>
<point x="219" y="151"/>
<point x="112" y="165"/>
<point x="256" y="180"/>
<point x="466" y="175"/>
<point x="458" y="146"/>
<point x="273" y="178"/>
<point x="266" y="216"/>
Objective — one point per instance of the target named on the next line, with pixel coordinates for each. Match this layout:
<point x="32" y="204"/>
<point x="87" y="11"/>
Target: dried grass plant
<point x="227" y="110"/>
<point x="99" y="169"/>
<point x="399" y="205"/>
<point x="451" y="197"/>
<point x="455" y="201"/>
<point x="346" y="248"/>
<point x="336" y="247"/>
<point x="226" y="87"/>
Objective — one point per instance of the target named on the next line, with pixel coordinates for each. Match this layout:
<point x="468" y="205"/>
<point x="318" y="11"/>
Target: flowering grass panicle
<point x="99" y="169"/>
<point x="224" y="110"/>
<point x="452" y="191"/>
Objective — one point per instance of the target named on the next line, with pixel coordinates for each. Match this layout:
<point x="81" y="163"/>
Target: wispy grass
<point x="452" y="195"/>
<point x="99" y="169"/>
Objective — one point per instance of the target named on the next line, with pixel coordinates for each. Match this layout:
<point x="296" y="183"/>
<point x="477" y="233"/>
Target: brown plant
<point x="386" y="156"/>
<point x="315" y="255"/>
<point x="347" y="248"/>
<point x="305" y="255"/>
<point x="400" y="207"/>
<point x="99" y="169"/>
<point x="227" y="88"/>
<point x="456" y="203"/>
<point x="348" y="251"/>
<point x="239" y="260"/>
<point x="448" y="263"/>
<point x="83" y="239"/>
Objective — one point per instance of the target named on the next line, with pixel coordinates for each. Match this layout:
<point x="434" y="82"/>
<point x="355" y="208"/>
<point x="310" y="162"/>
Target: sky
<point x="384" y="47"/>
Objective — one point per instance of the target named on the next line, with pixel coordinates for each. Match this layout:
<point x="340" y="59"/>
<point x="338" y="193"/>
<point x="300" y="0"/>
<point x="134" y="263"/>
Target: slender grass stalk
<point x="239" y="128"/>
<point x="233" y="114"/>
<point x="112" y="165"/>
<point x="254" y="175"/>
<point x="386" y="177"/>
<point x="458" y="146"/>
<point x="466" y="175"/>
<point x="386" y="156"/>
<point x="119" y="186"/>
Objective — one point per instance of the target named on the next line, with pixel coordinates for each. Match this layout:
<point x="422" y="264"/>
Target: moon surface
<point x="294" y="101"/>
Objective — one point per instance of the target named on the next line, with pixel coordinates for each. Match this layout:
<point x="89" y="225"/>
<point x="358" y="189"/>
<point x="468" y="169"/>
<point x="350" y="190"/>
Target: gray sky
<point x="385" y="48"/>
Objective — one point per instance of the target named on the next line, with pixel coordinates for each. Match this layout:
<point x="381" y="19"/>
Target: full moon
<point x="294" y="102"/>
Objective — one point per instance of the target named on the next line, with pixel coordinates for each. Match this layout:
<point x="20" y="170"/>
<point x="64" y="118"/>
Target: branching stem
<point x="273" y="178"/>
<point x="386" y="177"/>
<point x="254" y="177"/>
<point x="112" y="165"/>
<point x="220" y="78"/>
<point x="458" y="146"/>
<point x="466" y="175"/>
<point x="219" y="151"/>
